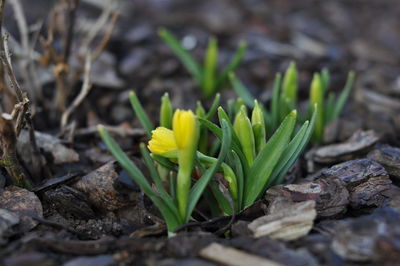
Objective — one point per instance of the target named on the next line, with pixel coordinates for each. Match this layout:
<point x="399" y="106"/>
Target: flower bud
<point x="243" y="129"/>
<point x="166" y="112"/>
<point x="317" y="97"/>
<point x="258" y="124"/>
<point x="290" y="84"/>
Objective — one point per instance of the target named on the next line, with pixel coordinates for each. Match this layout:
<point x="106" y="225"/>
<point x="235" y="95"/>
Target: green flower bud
<point x="166" y="112"/>
<point x="290" y="84"/>
<point x="244" y="131"/>
<point x="317" y="97"/>
<point x="257" y="121"/>
<point x="239" y="104"/>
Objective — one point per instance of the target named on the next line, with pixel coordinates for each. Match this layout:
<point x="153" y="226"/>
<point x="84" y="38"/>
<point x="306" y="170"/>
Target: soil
<point x="339" y="204"/>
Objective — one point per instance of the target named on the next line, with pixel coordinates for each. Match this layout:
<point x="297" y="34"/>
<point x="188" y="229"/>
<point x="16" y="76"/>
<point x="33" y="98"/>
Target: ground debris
<point x="8" y="220"/>
<point x="287" y="220"/>
<point x="330" y="195"/>
<point x="101" y="185"/>
<point x="389" y="157"/>
<point x="233" y="257"/>
<point x="23" y="203"/>
<point x="51" y="146"/>
<point x="359" y="143"/>
<point x="364" y="179"/>
<point x="372" y="238"/>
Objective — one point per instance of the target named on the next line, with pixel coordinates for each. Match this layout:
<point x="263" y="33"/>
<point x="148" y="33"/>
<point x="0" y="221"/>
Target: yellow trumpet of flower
<point x="179" y="142"/>
<point x="163" y="143"/>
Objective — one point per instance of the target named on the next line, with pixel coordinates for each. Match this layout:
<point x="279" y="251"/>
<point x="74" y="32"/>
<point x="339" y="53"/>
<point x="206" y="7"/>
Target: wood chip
<point x="359" y="143"/>
<point x="233" y="257"/>
<point x="288" y="222"/>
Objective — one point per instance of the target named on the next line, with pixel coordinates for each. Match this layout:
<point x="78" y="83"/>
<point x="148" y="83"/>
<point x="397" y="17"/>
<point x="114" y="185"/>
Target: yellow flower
<point x="185" y="128"/>
<point x="163" y="143"/>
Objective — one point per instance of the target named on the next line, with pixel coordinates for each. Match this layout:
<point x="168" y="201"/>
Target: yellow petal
<point x="163" y="142"/>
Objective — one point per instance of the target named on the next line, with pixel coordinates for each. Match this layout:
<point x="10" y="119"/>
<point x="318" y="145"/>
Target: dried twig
<point x="23" y="113"/>
<point x="86" y="86"/>
<point x="9" y="160"/>
<point x="27" y="50"/>
<point x="106" y="37"/>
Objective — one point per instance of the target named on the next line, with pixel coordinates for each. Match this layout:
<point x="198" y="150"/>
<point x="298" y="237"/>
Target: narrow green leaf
<point x="223" y="202"/>
<point x="171" y="219"/>
<point x="325" y="78"/>
<point x="241" y="90"/>
<point x="214" y="106"/>
<point x="140" y="113"/>
<point x="343" y="96"/>
<point x="235" y="144"/>
<point x="209" y="81"/>
<point x="239" y="176"/>
<point x="275" y="101"/>
<point x="201" y="184"/>
<point x="329" y="108"/>
<point x="280" y="171"/>
<point x="157" y="180"/>
<point x="164" y="162"/>
<point x="267" y="159"/>
<point x="233" y="64"/>
<point x="187" y="60"/>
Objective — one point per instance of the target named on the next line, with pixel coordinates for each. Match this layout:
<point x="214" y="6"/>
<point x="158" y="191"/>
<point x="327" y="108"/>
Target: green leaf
<point x="157" y="180"/>
<point x="164" y="162"/>
<point x="329" y="108"/>
<point x="140" y="113"/>
<point x="233" y="64"/>
<point x="267" y="159"/>
<point x="241" y="90"/>
<point x="201" y="184"/>
<point x="292" y="152"/>
<point x="235" y="143"/>
<point x="213" y="107"/>
<point x="239" y="176"/>
<point x="223" y="202"/>
<point x="275" y="101"/>
<point x="343" y="96"/>
<point x="187" y="60"/>
<point x="171" y="219"/>
<point x="210" y="67"/>
<point x="325" y="80"/>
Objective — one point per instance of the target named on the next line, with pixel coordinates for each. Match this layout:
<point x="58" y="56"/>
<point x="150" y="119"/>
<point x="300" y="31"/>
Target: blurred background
<point x="359" y="35"/>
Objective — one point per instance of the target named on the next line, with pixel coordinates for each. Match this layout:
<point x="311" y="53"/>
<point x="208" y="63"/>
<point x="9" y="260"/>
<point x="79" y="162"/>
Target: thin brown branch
<point x="86" y="86"/>
<point x="106" y="37"/>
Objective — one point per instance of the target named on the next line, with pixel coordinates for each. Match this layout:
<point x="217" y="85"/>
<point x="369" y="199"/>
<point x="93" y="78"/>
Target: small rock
<point x="364" y="179"/>
<point x="23" y="203"/>
<point x="51" y="146"/>
<point x="288" y="221"/>
<point x="100" y="187"/>
<point x="358" y="144"/>
<point x="7" y="221"/>
<point x="389" y="157"/>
